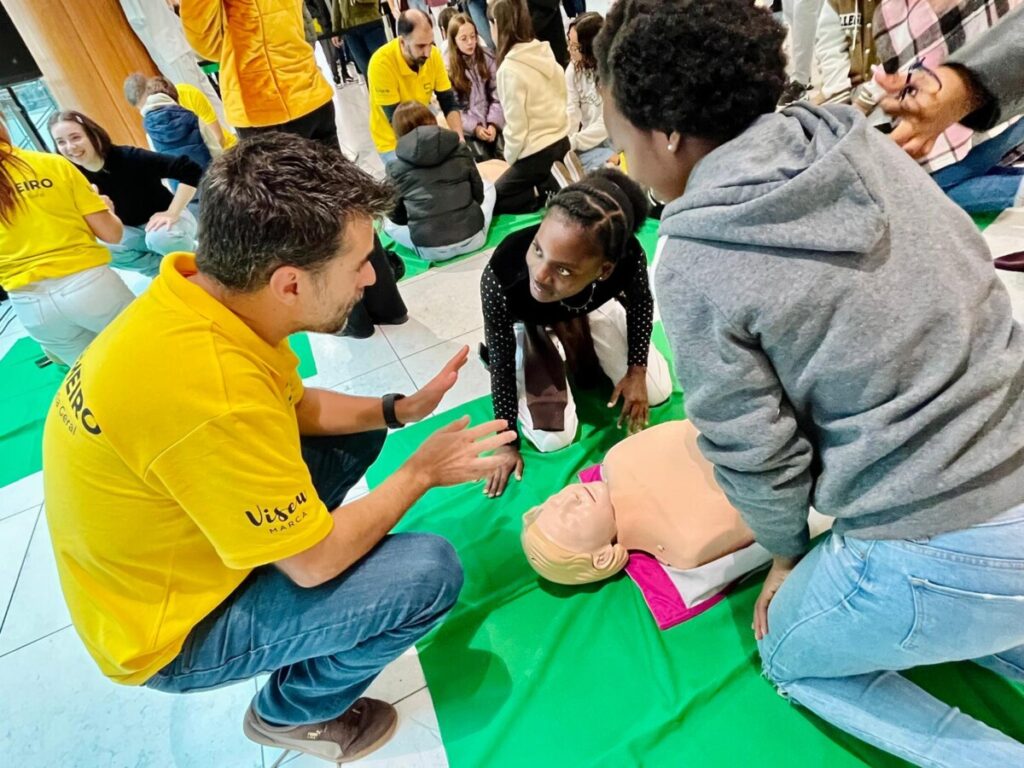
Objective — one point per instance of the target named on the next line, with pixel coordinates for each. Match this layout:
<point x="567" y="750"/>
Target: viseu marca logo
<point x="278" y="519"/>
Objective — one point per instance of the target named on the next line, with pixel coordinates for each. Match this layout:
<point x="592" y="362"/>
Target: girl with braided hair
<point x="547" y="297"/>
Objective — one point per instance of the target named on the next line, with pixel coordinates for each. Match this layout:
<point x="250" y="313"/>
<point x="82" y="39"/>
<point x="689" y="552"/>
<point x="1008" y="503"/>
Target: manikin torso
<point x="663" y="500"/>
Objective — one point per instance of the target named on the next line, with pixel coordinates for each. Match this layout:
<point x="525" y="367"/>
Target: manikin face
<point x="563" y="260"/>
<point x="466" y="39"/>
<point x="579" y="518"/>
<point x="73" y="142"/>
<point x="416" y="46"/>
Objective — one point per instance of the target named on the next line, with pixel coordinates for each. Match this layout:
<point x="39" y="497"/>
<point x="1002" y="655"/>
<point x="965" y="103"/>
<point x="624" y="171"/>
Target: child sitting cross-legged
<point x="444" y="207"/>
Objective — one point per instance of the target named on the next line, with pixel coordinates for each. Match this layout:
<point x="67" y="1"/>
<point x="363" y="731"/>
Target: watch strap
<point x="388" y="403"/>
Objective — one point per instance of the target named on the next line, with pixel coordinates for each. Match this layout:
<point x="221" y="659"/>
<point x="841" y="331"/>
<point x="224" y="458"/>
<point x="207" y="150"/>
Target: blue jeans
<point x="478" y="13"/>
<point x="855" y="612"/>
<point x="142" y="251"/>
<point x="323" y="646"/>
<point x="978" y="184"/>
<point x="363" y="41"/>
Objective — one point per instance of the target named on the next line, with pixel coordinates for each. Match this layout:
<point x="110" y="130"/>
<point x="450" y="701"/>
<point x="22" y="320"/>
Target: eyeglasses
<point x="910" y="88"/>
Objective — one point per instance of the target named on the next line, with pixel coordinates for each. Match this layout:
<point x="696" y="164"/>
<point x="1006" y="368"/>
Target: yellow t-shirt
<point x="195" y="101"/>
<point x="172" y="467"/>
<point x="48" y="235"/>
<point x="392" y="81"/>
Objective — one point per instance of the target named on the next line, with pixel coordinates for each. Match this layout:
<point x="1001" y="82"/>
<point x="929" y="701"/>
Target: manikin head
<point x="572" y="537"/>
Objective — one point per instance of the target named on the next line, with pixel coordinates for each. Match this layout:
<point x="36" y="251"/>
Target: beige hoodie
<point x="531" y="89"/>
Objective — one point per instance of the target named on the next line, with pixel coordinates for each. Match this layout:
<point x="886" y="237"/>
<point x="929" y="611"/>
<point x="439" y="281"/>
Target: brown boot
<point x="363" y="728"/>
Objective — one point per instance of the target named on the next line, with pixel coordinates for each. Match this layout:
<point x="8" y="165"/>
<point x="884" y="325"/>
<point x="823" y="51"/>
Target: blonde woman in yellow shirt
<point x="53" y="268"/>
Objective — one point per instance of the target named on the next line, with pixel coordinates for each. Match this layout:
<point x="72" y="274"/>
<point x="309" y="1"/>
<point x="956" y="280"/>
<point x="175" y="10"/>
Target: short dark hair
<point x="134" y="88"/>
<point x="277" y="200"/>
<point x="160" y="84"/>
<point x="99" y="138"/>
<point x="587" y="26"/>
<point x="607" y="204"/>
<point x="407" y="21"/>
<point x="704" y="68"/>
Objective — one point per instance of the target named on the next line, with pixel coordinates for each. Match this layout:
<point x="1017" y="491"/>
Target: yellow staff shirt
<point x="48" y="236"/>
<point x="172" y="467"/>
<point x="195" y="101"/>
<point x="392" y="81"/>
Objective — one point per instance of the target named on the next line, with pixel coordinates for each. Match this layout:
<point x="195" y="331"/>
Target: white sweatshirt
<point x="531" y="89"/>
<point x="586" y="111"/>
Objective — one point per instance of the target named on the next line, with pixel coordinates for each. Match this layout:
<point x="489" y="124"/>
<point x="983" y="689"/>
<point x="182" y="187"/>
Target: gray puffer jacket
<point x="440" y="189"/>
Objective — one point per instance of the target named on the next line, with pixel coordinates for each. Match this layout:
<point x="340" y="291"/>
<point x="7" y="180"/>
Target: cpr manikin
<point x="657" y="495"/>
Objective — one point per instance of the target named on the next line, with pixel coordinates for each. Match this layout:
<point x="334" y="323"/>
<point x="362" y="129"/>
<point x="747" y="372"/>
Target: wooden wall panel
<point x="85" y="49"/>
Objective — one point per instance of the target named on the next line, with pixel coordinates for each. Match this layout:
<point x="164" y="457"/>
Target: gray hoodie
<point x="841" y="336"/>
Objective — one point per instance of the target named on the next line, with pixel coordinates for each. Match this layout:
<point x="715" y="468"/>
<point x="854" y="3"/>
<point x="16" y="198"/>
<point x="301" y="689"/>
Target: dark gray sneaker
<point x="363" y="728"/>
<point x="793" y="92"/>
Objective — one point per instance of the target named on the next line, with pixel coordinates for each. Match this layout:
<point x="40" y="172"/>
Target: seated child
<point x="444" y="208"/>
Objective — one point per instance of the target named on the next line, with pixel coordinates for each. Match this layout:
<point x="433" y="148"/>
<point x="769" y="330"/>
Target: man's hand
<point x="780" y="570"/>
<point x="452" y="455"/>
<point x="421" y="404"/>
<point x="935" y="103"/>
<point x="635" y="404"/>
<point x="498" y="480"/>
<point x="162" y="220"/>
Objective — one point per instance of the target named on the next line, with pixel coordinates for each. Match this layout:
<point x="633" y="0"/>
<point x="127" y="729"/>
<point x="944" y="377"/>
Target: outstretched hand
<point x="453" y="454"/>
<point x="423" y="402"/>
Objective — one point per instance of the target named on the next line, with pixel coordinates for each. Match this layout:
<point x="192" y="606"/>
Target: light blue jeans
<point x="400" y="234"/>
<point x="142" y="251"/>
<point x="978" y="184"/>
<point x="596" y="157"/>
<point x="855" y="612"/>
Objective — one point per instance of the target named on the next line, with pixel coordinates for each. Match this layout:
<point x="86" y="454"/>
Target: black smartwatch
<point x="388" y="401"/>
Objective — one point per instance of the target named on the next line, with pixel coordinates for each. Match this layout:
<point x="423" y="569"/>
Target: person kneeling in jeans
<point x="444" y="209"/>
<point x="193" y="484"/>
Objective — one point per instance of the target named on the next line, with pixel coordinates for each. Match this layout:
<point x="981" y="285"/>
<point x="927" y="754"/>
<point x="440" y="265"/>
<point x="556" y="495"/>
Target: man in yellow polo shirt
<point x="193" y="484"/>
<point x="409" y="68"/>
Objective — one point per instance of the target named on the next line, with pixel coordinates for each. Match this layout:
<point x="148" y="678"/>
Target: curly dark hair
<point x="279" y="200"/>
<point x="704" y="68"/>
<point x="607" y="204"/>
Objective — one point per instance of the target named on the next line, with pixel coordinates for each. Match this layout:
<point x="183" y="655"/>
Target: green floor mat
<point x="984" y="220"/>
<point x="26" y="392"/>
<point x="299" y="342"/>
<point x="525" y="673"/>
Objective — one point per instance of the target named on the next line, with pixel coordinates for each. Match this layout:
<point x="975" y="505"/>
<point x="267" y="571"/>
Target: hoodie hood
<point x="169" y="124"/>
<point x="794" y="180"/>
<point x="427" y="146"/>
<point x="537" y="55"/>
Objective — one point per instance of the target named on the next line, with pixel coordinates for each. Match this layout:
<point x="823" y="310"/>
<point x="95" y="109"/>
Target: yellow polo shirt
<point x="172" y="467"/>
<point x="195" y="101"/>
<point x="48" y="236"/>
<point x="392" y="81"/>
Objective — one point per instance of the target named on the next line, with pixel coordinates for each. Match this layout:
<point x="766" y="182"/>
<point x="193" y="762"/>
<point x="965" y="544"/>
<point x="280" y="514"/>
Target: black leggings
<point x="524" y="186"/>
<point x="318" y="125"/>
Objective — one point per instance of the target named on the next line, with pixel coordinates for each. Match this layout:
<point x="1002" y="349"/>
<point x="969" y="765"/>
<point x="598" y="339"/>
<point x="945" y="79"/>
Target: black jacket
<point x="439" y="187"/>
